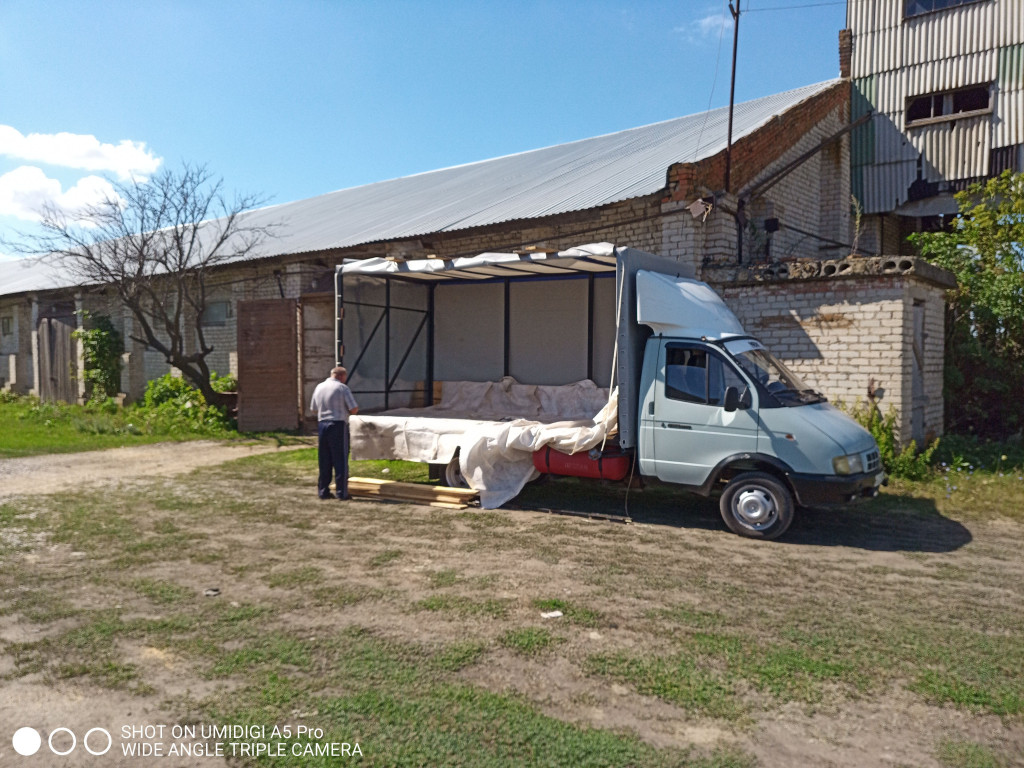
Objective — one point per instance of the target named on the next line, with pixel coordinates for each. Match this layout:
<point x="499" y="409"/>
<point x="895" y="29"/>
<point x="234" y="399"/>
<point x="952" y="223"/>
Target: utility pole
<point x="732" y="89"/>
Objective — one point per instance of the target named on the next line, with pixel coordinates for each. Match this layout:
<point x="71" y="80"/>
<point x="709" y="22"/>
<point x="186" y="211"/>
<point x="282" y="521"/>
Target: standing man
<point x="333" y="403"/>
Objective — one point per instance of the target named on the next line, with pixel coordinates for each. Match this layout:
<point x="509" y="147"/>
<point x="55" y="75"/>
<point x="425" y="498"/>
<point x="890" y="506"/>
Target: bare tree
<point x="155" y="242"/>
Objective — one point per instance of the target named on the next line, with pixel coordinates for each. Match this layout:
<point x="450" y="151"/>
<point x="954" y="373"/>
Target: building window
<point x="216" y="313"/>
<point x="6" y="326"/>
<point x="920" y="7"/>
<point x="949" y="105"/>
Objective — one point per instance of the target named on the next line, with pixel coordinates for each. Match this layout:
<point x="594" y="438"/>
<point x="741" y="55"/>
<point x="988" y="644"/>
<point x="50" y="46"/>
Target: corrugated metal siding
<point x="969" y="45"/>
<point x="1010" y="97"/>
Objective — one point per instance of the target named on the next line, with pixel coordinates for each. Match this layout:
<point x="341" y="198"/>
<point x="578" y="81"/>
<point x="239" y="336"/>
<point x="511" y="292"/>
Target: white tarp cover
<point x="496" y="427"/>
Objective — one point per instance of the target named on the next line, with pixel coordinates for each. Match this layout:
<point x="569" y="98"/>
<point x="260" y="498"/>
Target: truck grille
<point x="872" y="461"/>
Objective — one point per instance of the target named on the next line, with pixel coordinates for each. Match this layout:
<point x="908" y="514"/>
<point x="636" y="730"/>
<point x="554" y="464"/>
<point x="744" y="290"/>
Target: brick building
<point x="777" y="245"/>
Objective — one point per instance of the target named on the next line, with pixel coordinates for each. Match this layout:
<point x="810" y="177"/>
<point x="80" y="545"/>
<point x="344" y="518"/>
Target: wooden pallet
<point x="432" y="495"/>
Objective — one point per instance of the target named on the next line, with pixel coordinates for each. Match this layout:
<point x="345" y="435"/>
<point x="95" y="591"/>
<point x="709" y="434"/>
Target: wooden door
<point x="268" y="365"/>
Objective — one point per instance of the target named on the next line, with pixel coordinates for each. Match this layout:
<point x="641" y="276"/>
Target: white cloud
<point x="126" y="159"/>
<point x="709" y="27"/>
<point x="26" y="190"/>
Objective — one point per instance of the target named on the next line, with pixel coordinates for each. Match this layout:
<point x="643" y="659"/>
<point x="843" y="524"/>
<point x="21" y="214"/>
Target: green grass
<point x="530" y="641"/>
<point x="402" y="713"/>
<point x="677" y="679"/>
<point x="464" y="606"/>
<point x="295" y="578"/>
<point x="584" y="617"/>
<point x="965" y="754"/>
<point x="386" y="557"/>
<point x="163" y="592"/>
<point x="721" y="629"/>
<point x="30" y="427"/>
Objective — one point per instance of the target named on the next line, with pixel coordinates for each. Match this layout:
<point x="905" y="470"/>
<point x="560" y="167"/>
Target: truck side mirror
<point x="732" y="399"/>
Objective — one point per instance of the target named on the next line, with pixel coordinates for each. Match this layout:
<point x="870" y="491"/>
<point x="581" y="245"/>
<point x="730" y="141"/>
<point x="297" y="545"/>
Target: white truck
<point x="598" y="361"/>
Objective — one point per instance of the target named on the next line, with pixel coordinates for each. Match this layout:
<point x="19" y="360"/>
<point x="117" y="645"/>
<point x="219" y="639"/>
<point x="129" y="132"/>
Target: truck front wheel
<point x="757" y="505"/>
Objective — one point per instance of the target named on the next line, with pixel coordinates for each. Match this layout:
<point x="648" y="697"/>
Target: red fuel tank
<point x="607" y="467"/>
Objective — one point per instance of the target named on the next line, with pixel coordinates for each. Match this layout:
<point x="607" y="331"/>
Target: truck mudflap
<point x="813" y="490"/>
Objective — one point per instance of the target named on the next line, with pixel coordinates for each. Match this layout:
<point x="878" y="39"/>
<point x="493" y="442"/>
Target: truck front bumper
<point x="814" y="490"/>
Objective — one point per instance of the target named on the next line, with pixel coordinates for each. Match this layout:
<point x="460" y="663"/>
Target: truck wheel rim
<point x="453" y="475"/>
<point x="755" y="508"/>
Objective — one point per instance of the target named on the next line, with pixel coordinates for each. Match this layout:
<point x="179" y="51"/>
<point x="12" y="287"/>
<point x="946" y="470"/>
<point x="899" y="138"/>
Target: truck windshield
<point x="776" y="378"/>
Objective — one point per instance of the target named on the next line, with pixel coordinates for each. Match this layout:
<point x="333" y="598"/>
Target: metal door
<point x="692" y="431"/>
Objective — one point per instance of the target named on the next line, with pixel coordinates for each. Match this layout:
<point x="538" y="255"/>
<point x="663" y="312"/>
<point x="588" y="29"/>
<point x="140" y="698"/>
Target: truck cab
<point x="717" y="411"/>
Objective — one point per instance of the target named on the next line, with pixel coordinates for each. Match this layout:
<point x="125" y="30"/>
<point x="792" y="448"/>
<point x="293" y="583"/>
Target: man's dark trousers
<point x="333" y="454"/>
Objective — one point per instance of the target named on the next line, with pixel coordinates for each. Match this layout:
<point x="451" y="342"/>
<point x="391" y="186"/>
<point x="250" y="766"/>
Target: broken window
<point x="949" y="105"/>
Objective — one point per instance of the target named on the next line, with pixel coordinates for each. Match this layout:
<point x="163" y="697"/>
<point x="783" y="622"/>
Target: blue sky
<point x="295" y="98"/>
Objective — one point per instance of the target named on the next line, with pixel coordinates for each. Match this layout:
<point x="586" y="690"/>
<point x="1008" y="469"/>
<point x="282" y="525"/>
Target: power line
<point x="793" y="7"/>
<point x="714" y="82"/>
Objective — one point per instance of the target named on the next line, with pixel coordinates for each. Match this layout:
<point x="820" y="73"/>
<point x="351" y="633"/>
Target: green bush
<point x="908" y="462"/>
<point x="102" y="347"/>
<point x="984" y="371"/>
<point x="226" y="383"/>
<point x="168" y="389"/>
<point x="172" y="405"/>
<point x="969" y="452"/>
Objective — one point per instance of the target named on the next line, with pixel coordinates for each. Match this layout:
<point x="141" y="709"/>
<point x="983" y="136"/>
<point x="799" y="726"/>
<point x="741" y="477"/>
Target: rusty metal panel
<point x="268" y="365"/>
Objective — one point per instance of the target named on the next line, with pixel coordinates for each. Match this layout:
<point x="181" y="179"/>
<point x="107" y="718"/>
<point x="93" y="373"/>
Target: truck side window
<point x="686" y="374"/>
<point x="694" y="376"/>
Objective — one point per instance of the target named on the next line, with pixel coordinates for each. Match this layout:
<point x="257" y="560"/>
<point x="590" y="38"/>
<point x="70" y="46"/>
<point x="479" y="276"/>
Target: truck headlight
<point x="848" y="465"/>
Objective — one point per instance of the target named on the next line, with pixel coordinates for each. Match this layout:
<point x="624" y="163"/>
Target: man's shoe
<point x="325" y="498"/>
<point x="346" y="497"/>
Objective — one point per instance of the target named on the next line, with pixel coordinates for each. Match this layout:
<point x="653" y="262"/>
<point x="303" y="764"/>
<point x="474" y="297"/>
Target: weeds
<point x="530" y="641"/>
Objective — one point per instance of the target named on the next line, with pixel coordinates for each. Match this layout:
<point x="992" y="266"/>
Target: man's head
<point x="339" y="373"/>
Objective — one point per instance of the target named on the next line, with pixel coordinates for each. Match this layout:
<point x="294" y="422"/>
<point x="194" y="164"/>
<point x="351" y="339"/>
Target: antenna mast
<point x="732" y="89"/>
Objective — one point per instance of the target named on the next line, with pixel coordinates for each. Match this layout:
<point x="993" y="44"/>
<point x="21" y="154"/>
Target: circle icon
<point x="85" y="741"/>
<point x="70" y="749"/>
<point x="26" y="741"/>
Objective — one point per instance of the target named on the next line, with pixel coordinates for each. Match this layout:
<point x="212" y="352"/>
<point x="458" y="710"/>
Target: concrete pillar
<point x="80" y="348"/>
<point x="34" y="387"/>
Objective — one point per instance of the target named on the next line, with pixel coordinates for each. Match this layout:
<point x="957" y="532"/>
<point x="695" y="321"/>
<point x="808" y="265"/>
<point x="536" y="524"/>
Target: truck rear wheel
<point x="453" y="474"/>
<point x="757" y="505"/>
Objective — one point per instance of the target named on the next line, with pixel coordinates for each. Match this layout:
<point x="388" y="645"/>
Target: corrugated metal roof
<point x="568" y="177"/>
<point x="32" y="274"/>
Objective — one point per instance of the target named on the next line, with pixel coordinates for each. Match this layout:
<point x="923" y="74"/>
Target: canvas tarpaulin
<point x="495" y="427"/>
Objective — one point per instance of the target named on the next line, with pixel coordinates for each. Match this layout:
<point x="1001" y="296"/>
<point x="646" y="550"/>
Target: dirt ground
<point x="71" y="471"/>
<point x="571" y="558"/>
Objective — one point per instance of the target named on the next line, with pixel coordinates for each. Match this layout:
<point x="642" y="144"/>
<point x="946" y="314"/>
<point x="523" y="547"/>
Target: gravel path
<point x="67" y="471"/>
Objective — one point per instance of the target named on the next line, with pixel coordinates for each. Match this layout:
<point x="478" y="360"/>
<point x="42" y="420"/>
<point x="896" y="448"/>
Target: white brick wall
<point x="840" y="334"/>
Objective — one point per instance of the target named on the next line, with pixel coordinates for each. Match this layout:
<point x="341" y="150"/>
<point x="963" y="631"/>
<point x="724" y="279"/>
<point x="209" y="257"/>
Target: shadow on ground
<point x="889" y="523"/>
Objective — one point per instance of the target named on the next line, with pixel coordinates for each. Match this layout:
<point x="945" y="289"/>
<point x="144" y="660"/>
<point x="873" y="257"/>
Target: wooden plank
<point x="370" y="483"/>
<point x="447" y="498"/>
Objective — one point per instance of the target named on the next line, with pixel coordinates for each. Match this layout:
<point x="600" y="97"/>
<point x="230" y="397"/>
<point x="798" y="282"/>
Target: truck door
<point x="692" y="430"/>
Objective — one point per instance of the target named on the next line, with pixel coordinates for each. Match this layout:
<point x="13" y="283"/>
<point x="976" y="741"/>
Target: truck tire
<point x="757" y="505"/>
<point x="453" y="474"/>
